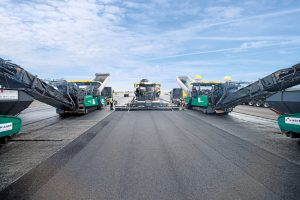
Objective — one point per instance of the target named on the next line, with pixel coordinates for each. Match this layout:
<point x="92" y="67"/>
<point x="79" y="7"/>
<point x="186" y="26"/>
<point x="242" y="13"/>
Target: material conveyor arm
<point x="277" y="81"/>
<point x="13" y="76"/>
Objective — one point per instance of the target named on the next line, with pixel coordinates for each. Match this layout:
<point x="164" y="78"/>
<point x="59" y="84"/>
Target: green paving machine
<point x="18" y="88"/>
<point x="221" y="97"/>
<point x="90" y="99"/>
<point x="199" y="97"/>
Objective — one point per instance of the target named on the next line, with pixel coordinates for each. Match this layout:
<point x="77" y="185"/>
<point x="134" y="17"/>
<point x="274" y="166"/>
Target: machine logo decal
<point x="292" y="120"/>
<point x="199" y="100"/>
<point x="6" y="127"/>
<point x="9" y="95"/>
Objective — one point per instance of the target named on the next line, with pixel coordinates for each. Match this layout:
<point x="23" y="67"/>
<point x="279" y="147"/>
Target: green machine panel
<point x="187" y="99"/>
<point x="102" y="100"/>
<point x="9" y="125"/>
<point x="289" y="122"/>
<point x="90" y="101"/>
<point x="200" y="101"/>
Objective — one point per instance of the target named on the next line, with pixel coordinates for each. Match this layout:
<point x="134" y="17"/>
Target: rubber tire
<point x="188" y="106"/>
<point x="63" y="115"/>
<point x="258" y="104"/>
<point x="293" y="135"/>
<point x="251" y="103"/>
<point x="266" y="105"/>
<point x="4" y="140"/>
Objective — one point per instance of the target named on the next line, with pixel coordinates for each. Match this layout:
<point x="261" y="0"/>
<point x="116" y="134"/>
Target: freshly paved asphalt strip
<point x="162" y="155"/>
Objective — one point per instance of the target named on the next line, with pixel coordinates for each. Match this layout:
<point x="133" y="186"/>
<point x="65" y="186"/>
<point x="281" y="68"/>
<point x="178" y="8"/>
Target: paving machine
<point x="221" y="97"/>
<point x="90" y="97"/>
<point x="147" y="97"/>
<point x="18" y="88"/>
<point x="176" y="95"/>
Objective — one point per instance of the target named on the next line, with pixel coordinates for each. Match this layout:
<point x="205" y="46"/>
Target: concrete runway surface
<point x="256" y="111"/>
<point x="167" y="155"/>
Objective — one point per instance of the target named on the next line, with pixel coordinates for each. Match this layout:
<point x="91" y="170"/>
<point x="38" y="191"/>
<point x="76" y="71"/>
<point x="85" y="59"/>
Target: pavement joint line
<point x="37" y="129"/>
<point x="39" y="120"/>
<point x="37" y="177"/>
<point x="33" y="140"/>
<point x="219" y="152"/>
<point x="267" y="150"/>
<point x="34" y="110"/>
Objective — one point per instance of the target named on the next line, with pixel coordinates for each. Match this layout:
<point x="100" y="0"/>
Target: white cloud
<point x="243" y="47"/>
<point x="54" y="37"/>
<point x="75" y="28"/>
<point x="219" y="12"/>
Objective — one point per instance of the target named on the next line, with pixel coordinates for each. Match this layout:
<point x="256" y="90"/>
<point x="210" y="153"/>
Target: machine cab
<point x="203" y="88"/>
<point x="199" y="93"/>
<point x="146" y="90"/>
<point x="88" y="87"/>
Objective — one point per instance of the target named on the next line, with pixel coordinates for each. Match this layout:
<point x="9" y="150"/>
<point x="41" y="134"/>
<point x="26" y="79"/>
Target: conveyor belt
<point x="277" y="81"/>
<point x="13" y="76"/>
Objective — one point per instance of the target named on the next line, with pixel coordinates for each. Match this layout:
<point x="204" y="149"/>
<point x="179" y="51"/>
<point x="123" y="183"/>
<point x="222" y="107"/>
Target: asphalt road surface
<point x="38" y="112"/>
<point x="162" y="155"/>
<point x="256" y="111"/>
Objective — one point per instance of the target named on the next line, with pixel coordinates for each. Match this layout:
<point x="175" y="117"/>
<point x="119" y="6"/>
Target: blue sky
<point x="157" y="39"/>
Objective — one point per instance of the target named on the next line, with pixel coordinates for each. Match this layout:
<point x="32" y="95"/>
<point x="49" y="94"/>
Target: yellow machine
<point x="147" y="98"/>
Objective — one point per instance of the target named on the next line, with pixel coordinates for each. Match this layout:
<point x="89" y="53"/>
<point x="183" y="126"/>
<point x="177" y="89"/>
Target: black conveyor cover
<point x="13" y="76"/>
<point x="277" y="81"/>
<point x="285" y="102"/>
